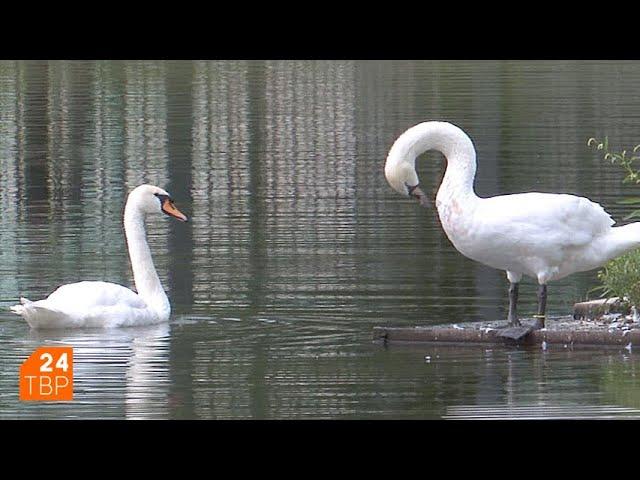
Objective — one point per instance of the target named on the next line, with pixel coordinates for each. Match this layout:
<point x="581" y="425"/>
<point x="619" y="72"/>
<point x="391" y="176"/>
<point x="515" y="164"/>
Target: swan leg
<point x="515" y="331"/>
<point x="542" y="307"/>
<point x="513" y="301"/>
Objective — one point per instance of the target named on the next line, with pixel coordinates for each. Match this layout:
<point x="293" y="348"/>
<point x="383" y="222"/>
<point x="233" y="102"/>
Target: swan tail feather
<point x="17" y="309"/>
<point x="38" y="316"/>
<point x="20" y="309"/>
<point x="618" y="241"/>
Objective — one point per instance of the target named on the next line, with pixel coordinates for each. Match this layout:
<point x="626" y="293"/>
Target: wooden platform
<point x="563" y="334"/>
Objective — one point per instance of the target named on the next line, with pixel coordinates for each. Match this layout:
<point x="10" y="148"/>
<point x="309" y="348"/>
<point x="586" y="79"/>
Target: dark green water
<point x="297" y="246"/>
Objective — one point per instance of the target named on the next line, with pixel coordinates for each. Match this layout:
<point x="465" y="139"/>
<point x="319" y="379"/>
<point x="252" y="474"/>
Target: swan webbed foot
<point x="517" y="333"/>
<point x="539" y="323"/>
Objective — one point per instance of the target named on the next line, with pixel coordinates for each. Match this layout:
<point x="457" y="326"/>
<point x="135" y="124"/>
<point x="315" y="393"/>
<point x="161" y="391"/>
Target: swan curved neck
<point x="144" y="272"/>
<point x="449" y="140"/>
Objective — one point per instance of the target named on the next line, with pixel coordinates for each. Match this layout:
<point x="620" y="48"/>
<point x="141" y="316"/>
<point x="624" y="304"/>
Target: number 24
<point x="62" y="362"/>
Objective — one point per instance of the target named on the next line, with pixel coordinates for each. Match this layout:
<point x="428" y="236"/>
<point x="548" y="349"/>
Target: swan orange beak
<point x="169" y="208"/>
<point x="418" y="194"/>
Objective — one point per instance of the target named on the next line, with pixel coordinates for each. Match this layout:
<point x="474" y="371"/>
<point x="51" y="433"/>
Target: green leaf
<point x="634" y="214"/>
<point x="629" y="201"/>
<point x="604" y="289"/>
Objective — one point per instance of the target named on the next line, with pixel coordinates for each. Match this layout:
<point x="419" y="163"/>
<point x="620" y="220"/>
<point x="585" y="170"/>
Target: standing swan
<point x="545" y="236"/>
<point x="107" y="305"/>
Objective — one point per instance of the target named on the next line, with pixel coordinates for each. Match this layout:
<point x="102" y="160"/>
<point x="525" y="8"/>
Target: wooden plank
<point x="477" y="335"/>
<point x="595" y="308"/>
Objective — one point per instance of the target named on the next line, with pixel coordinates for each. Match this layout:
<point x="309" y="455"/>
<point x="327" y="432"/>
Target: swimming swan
<point x="107" y="305"/>
<point x="542" y="235"/>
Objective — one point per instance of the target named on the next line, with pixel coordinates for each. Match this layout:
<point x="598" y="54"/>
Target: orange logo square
<point x="47" y="375"/>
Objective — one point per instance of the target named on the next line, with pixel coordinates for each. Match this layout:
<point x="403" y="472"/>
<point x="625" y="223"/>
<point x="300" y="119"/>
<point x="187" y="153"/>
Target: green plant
<point x="620" y="277"/>
<point x="626" y="162"/>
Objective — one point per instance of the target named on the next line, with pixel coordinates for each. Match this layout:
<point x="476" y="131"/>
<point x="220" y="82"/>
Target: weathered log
<point x="478" y="335"/>
<point x="595" y="308"/>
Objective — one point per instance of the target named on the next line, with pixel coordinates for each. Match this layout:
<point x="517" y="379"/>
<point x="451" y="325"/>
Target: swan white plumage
<point x="108" y="305"/>
<point x="542" y="235"/>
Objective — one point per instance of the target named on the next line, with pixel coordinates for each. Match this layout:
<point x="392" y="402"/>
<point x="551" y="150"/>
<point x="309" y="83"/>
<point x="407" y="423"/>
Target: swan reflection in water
<point x="111" y="364"/>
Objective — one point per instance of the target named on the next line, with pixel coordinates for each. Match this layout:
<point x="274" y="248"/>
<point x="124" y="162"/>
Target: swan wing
<point x="545" y="221"/>
<point x="89" y="295"/>
<point x="87" y="304"/>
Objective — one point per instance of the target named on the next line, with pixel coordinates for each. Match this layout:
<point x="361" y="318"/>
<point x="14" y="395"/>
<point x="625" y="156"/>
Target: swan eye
<point x="168" y="206"/>
<point x="163" y="198"/>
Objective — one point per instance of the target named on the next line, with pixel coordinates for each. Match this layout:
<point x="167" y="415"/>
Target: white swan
<point x="107" y="305"/>
<point x="542" y="235"/>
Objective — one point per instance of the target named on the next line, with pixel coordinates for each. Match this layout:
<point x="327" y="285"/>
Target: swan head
<point x="402" y="177"/>
<point x="151" y="199"/>
<point x="448" y="139"/>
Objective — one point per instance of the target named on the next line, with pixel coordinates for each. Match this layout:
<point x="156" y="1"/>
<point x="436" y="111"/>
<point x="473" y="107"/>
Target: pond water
<point x="297" y="247"/>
